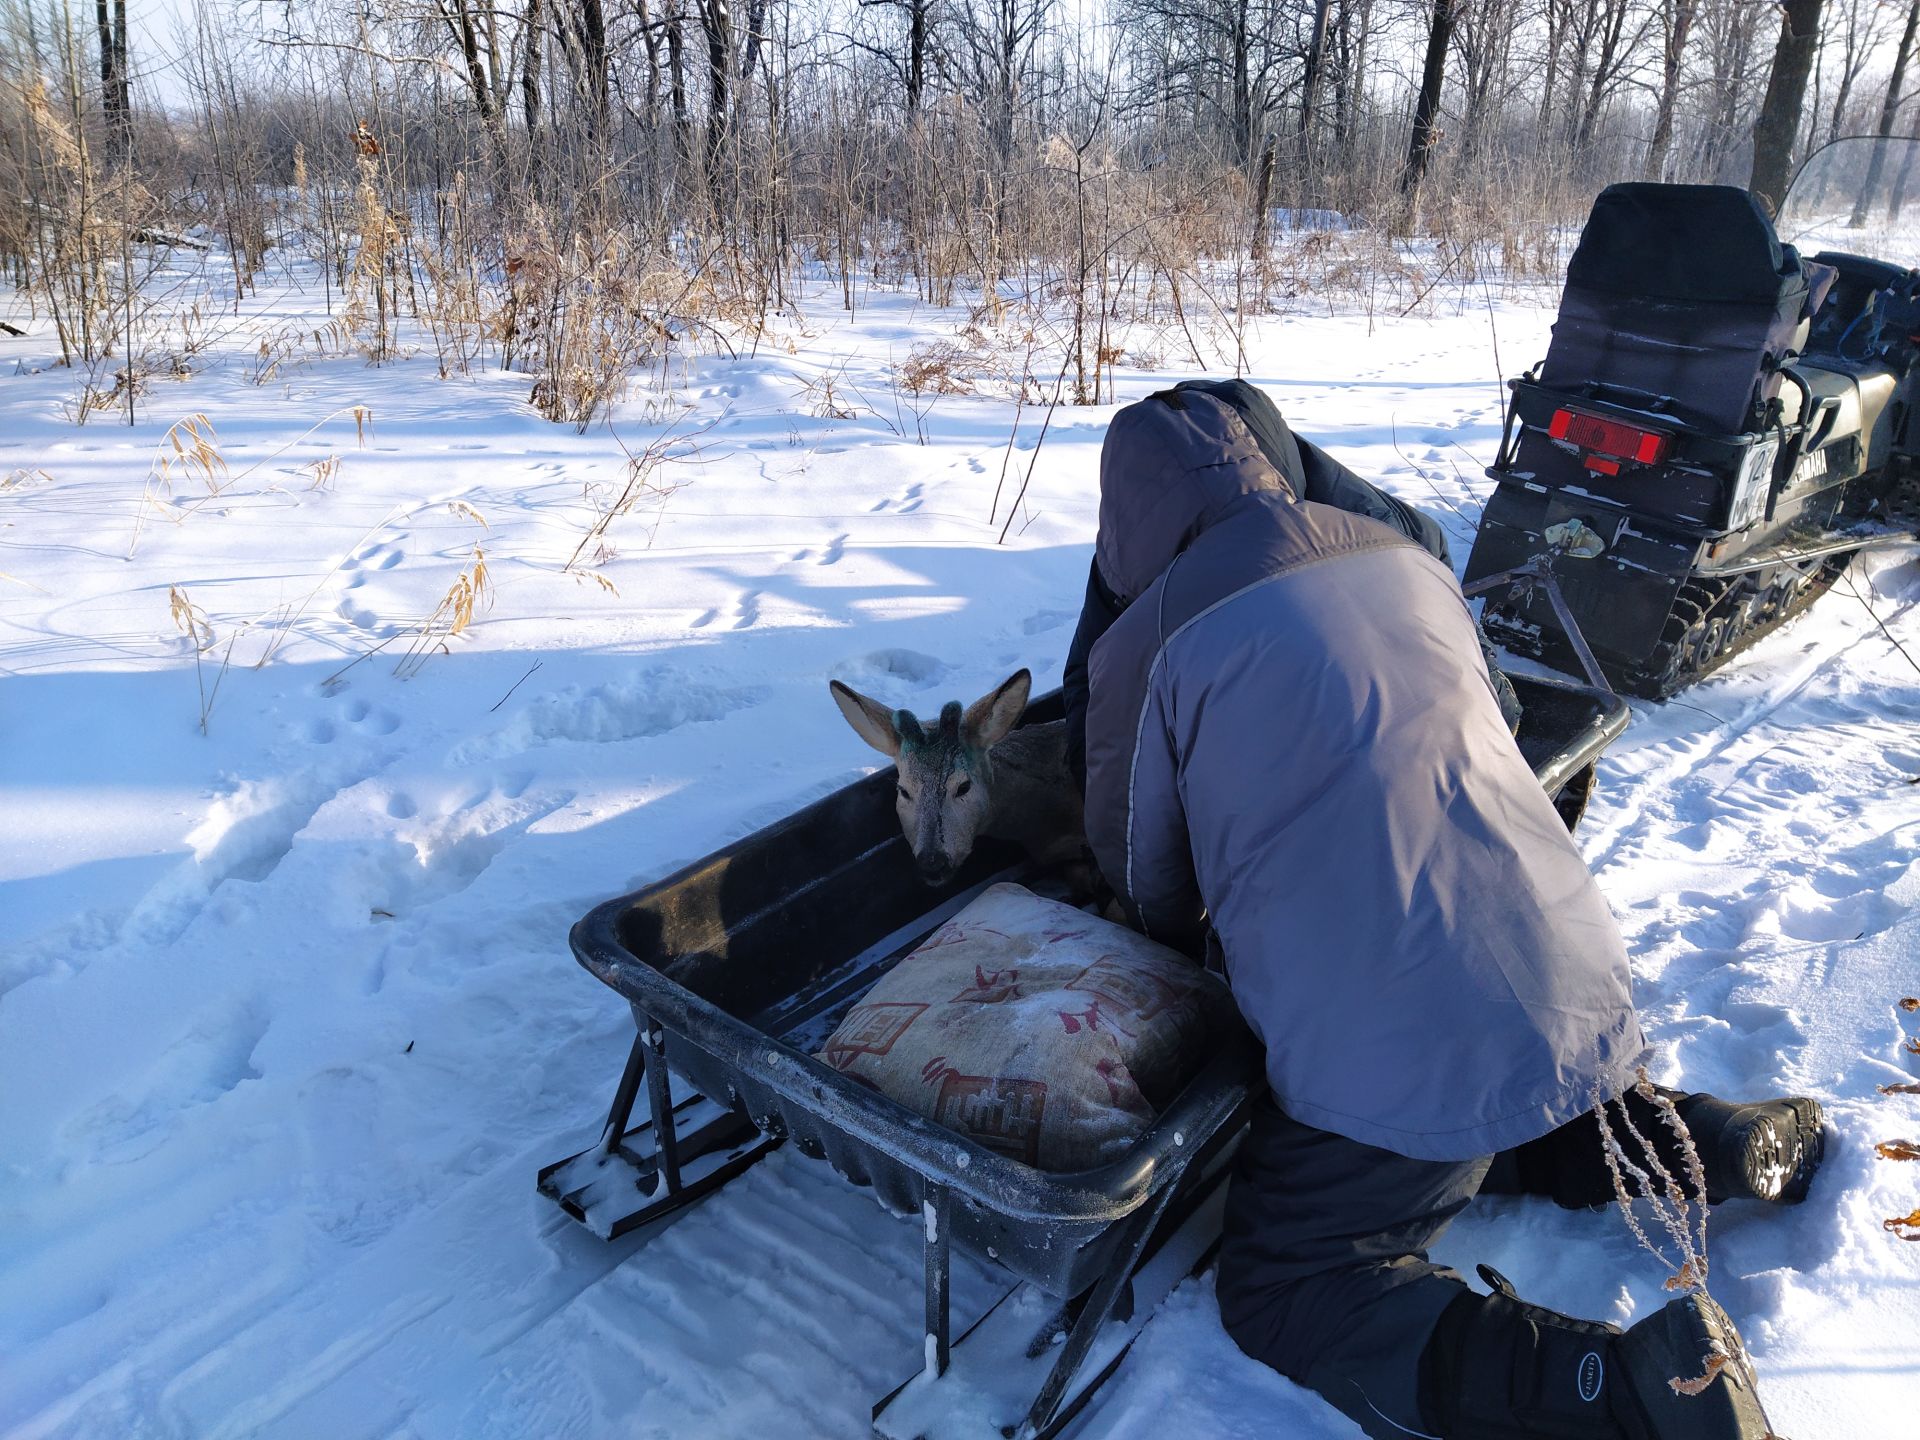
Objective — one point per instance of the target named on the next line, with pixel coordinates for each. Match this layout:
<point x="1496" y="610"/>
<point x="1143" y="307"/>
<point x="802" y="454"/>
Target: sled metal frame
<point x="1537" y="574"/>
<point x="657" y="1155"/>
<point x="1185" y="1212"/>
<point x="732" y="967"/>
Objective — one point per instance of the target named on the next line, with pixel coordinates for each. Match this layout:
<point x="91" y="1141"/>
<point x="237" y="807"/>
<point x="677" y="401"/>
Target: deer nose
<point x="935" y="869"/>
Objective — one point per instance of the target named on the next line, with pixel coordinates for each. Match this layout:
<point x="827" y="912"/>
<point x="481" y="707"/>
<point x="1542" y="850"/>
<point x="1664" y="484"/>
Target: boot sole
<point x="1778" y="1162"/>
<point x="1665" y="1353"/>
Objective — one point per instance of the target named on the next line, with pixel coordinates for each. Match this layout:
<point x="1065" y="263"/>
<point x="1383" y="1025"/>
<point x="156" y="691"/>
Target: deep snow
<point x="287" y="1018"/>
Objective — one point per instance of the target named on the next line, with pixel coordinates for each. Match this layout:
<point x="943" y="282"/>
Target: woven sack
<point x="1042" y="1032"/>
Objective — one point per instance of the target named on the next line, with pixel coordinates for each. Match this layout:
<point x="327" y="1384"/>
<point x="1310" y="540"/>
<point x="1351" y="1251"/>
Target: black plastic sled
<point x="738" y="968"/>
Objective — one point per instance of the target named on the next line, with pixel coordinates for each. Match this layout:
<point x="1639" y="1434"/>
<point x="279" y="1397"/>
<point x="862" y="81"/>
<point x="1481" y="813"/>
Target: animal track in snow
<point x="446" y="855"/>
<point x="892" y="671"/>
<point x="381" y="555"/>
<point x="369" y="720"/>
<point x="214" y="1057"/>
<point x="1042" y="621"/>
<point x="648" y="704"/>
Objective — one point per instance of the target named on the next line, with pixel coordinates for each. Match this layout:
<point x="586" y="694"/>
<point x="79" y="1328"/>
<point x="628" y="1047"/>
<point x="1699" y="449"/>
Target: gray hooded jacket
<point x="1291" y="741"/>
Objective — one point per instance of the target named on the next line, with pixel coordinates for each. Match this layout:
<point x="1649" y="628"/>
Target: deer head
<point x="944" y="769"/>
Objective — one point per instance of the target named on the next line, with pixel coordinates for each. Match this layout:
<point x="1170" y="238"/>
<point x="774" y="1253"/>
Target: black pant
<point x="1323" y="1264"/>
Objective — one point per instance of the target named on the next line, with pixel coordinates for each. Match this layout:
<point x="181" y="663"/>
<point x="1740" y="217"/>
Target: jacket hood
<point x="1169" y="466"/>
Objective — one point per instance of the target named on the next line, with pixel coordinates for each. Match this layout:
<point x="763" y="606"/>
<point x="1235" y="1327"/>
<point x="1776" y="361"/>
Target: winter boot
<point x="1500" y="1369"/>
<point x="1766" y="1151"/>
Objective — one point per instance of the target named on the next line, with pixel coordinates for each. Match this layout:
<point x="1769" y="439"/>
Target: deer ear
<point x="989" y="718"/>
<point x="871" y="721"/>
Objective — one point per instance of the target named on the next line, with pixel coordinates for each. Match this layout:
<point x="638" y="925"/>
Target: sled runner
<point x="737" y="969"/>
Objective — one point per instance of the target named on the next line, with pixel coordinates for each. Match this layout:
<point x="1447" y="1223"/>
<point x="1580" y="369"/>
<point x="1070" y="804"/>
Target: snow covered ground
<point x="287" y="1018"/>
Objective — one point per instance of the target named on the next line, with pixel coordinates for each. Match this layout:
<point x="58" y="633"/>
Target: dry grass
<point x="939" y="368"/>
<point x="372" y="298"/>
<point x="470" y="594"/>
<point x="321" y="473"/>
<point x="191" y="621"/>
<point x="1683" y="1218"/>
<point x="190" y="450"/>
<point x="642" y="483"/>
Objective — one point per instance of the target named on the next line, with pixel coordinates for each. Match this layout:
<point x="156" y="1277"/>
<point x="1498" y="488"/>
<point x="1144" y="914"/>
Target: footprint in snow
<point x="1042" y="621"/>
<point x="371" y="721"/>
<point x="648" y="704"/>
<point x="896" y="671"/>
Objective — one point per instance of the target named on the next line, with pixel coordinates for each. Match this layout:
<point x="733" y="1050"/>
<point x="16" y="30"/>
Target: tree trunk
<point x="1888" y="110"/>
<point x="717" y="23"/>
<point x="530" y="67"/>
<point x="116" y="104"/>
<point x="461" y="23"/>
<point x="1603" y="74"/>
<point x="677" y="83"/>
<point x="1310" y="75"/>
<point x="1679" y="28"/>
<point x="593" y="45"/>
<point x="1778" y="127"/>
<point x="1426" y="110"/>
<point x="750" y="56"/>
<point x="1262" y="198"/>
<point x="1242" y="86"/>
<point x="916" y="56"/>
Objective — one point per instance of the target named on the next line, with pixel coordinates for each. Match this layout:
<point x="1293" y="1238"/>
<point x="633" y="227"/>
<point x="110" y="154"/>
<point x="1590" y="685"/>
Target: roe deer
<point x="970" y="773"/>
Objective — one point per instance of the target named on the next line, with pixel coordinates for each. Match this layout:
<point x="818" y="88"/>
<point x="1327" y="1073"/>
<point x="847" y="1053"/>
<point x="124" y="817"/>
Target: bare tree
<point x="1426" y="107"/>
<point x="994" y="57"/>
<point x="1889" y="110"/>
<point x="1778" y="127"/>
<point x="1676" y="27"/>
<point x="116" y="102"/>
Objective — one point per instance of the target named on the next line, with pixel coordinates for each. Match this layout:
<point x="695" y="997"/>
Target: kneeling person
<point x="1295" y="762"/>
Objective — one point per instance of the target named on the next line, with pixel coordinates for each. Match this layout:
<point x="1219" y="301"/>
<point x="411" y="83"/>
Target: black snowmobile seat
<point x="1684" y="291"/>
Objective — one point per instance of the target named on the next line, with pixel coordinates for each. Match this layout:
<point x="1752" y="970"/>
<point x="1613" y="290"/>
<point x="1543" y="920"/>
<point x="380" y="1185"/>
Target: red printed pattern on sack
<point x="990" y="987"/>
<point x="1002" y="1114"/>
<point x="871" y="1030"/>
<point x="1131" y="994"/>
<point x="1077" y="1020"/>
<point x="1121" y="1090"/>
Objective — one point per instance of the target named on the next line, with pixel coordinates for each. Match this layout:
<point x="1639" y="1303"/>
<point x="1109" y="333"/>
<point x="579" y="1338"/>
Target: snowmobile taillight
<point x="1608" y="438"/>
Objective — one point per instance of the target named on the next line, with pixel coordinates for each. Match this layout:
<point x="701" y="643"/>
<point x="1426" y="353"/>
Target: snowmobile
<point x="1718" y="427"/>
<point x="740" y="966"/>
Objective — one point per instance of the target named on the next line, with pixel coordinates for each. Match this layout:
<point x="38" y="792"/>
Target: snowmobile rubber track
<point x="1724" y="625"/>
<point x="1711" y="622"/>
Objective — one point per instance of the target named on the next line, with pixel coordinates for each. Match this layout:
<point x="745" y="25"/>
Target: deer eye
<point x="904" y="794"/>
<point x="962" y="788"/>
